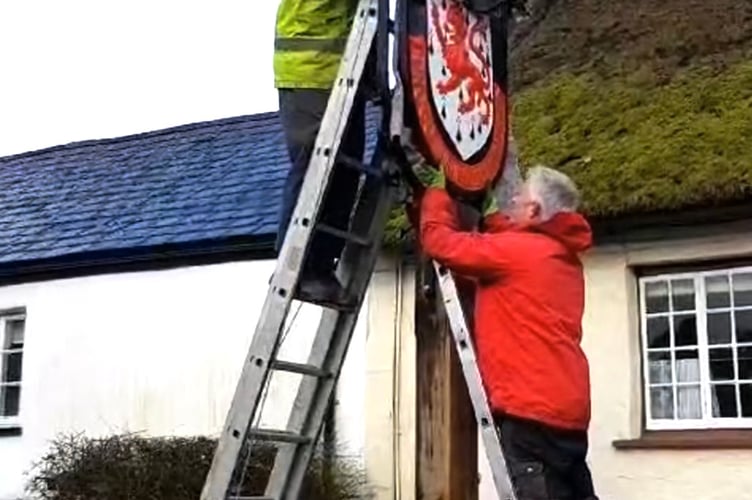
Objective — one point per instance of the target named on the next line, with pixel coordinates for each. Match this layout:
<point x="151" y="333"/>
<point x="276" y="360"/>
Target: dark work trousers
<point x="545" y="463"/>
<point x="301" y="112"/>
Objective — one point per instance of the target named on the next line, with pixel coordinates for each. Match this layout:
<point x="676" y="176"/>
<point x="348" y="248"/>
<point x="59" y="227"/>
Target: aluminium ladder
<point x="376" y="196"/>
<point x="296" y="443"/>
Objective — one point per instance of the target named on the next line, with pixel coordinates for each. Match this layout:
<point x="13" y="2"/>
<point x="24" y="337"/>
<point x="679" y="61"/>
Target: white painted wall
<point x="390" y="382"/>
<point x="154" y="352"/>
<point x="611" y="340"/>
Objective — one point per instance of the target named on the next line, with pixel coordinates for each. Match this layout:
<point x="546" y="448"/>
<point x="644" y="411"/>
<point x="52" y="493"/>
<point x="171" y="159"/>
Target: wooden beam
<point x="446" y="437"/>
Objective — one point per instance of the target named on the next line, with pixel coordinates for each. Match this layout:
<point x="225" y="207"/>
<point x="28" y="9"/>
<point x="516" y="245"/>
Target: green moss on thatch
<point x="634" y="146"/>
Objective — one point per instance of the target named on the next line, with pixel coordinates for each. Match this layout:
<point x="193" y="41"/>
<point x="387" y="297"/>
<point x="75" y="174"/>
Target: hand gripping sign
<point x="454" y="66"/>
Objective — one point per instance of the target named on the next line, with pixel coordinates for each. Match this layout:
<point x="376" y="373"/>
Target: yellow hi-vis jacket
<point x="309" y="41"/>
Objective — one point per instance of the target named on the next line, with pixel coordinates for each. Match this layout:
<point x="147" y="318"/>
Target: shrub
<point x="132" y="467"/>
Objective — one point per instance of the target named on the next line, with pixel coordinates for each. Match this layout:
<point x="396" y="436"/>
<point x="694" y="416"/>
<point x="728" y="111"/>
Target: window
<point x="12" y="328"/>
<point x="697" y="349"/>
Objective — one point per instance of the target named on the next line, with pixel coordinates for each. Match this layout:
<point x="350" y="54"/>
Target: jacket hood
<point x="571" y="229"/>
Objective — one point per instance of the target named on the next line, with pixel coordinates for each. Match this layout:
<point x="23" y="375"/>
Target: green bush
<point x="131" y="467"/>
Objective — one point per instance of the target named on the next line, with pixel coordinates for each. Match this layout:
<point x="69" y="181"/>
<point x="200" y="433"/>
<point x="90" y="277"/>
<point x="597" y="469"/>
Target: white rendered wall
<point x="153" y="352"/>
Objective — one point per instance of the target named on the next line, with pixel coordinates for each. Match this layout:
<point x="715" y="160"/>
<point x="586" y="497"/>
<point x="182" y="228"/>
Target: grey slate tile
<point x="185" y="184"/>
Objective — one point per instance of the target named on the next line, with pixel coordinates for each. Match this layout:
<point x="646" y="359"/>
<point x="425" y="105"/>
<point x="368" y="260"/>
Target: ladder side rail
<point x="466" y="354"/>
<point x="381" y="53"/>
<point x="330" y="325"/>
<point x="248" y="392"/>
<point x="280" y="473"/>
<point x="359" y="263"/>
<point x="266" y="338"/>
<point x="397" y="111"/>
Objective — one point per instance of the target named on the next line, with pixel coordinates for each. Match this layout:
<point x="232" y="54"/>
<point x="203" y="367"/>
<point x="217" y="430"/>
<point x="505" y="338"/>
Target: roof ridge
<point x="142" y="135"/>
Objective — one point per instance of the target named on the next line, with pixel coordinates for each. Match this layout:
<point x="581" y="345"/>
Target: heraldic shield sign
<point x="454" y="65"/>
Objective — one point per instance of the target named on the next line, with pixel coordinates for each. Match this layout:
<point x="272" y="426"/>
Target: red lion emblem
<point x="459" y="43"/>
<point x="452" y="37"/>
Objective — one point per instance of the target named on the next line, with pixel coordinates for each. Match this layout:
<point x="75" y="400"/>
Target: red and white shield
<point x="461" y="74"/>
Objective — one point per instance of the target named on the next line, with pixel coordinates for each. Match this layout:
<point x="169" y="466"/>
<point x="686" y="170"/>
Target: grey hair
<point x="554" y="190"/>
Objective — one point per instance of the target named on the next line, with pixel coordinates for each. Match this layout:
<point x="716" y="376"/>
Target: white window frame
<point x="14" y="421"/>
<point x="700" y="312"/>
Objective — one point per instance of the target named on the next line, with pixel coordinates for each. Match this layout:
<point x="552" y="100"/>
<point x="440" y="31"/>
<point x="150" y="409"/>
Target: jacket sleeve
<point x="496" y="223"/>
<point x="470" y="253"/>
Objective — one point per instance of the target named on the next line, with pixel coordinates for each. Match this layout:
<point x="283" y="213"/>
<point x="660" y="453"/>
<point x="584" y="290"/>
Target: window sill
<point x="710" y="439"/>
<point x="10" y="431"/>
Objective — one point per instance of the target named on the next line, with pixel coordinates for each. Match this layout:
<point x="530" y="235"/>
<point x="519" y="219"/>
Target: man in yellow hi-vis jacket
<point x="310" y="40"/>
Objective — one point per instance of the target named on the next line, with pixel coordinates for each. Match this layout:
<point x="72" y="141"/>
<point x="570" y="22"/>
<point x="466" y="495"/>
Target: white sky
<point x="73" y="70"/>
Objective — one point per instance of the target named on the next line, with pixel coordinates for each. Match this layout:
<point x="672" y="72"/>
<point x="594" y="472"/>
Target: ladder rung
<point x="350" y="162"/>
<point x="275" y="436"/>
<point x="345" y="235"/>
<point x="300" y="368"/>
<point x="337" y="306"/>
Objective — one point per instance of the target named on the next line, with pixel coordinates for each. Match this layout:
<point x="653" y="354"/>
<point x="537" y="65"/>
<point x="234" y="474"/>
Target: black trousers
<point x="545" y="463"/>
<point x="301" y="112"/>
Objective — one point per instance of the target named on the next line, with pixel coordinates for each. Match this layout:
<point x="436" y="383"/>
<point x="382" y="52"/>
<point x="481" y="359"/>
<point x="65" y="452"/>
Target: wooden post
<point x="447" y="438"/>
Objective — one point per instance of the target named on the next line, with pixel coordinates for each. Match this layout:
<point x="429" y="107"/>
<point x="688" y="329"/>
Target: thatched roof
<point x="647" y="105"/>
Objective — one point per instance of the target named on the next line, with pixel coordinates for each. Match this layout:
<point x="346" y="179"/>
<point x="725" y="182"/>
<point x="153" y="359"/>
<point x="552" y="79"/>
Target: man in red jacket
<point x="528" y="310"/>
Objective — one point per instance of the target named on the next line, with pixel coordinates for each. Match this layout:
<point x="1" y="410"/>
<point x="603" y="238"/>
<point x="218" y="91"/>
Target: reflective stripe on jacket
<point x="309" y="41"/>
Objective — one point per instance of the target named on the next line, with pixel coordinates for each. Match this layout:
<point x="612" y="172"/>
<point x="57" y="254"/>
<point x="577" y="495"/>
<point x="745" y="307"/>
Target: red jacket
<point x="528" y="308"/>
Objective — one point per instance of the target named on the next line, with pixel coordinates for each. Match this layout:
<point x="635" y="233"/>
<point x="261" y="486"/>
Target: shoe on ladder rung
<point x="322" y="287"/>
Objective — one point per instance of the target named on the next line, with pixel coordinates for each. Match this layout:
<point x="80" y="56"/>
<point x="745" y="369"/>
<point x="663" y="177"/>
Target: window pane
<point x="682" y="295"/>
<point x="685" y="330"/>
<point x="14" y="334"/>
<point x="662" y="402"/>
<point x="724" y="401"/>
<point x="658" y="333"/>
<point x="717" y="291"/>
<point x="744" y="355"/>
<point x="743" y="326"/>
<point x="656" y="297"/>
<point x="721" y="364"/>
<point x="9" y="398"/>
<point x="687" y="366"/>
<point x="11" y="363"/>
<point x="659" y="367"/>
<point x="746" y="392"/>
<point x="742" y="289"/>
<point x="688" y="403"/>
<point x="719" y="328"/>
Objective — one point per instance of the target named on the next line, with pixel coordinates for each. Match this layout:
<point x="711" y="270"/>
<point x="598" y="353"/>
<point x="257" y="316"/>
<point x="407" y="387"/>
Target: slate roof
<point x="205" y="181"/>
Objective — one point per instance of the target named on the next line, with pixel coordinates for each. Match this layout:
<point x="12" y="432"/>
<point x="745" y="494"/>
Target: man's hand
<point x="428" y="175"/>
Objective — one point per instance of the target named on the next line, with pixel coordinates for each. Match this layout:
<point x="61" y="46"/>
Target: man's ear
<point x="536" y="210"/>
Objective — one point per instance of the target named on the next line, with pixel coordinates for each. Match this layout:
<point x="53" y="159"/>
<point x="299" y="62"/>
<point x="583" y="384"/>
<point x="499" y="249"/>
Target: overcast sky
<point x="87" y="69"/>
